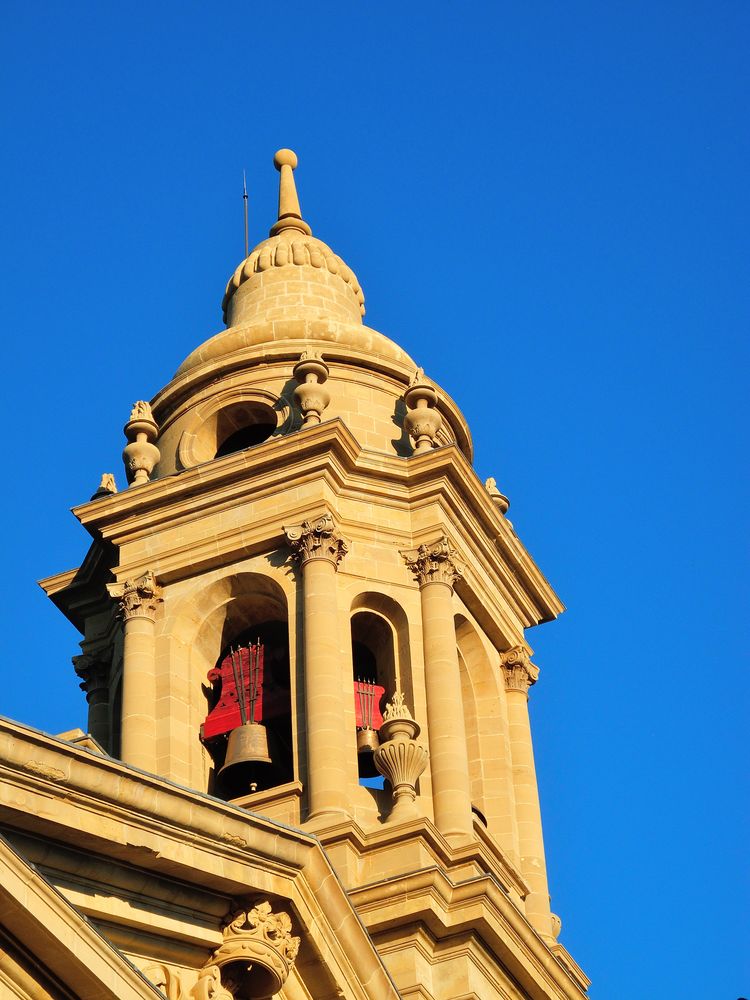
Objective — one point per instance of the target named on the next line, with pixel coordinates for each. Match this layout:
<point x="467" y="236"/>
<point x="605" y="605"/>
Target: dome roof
<point x="292" y="272"/>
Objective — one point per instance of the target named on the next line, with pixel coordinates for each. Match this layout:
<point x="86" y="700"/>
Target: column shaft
<point x="449" y="763"/>
<point x="324" y="692"/>
<point x="138" y="737"/>
<point x="519" y="674"/>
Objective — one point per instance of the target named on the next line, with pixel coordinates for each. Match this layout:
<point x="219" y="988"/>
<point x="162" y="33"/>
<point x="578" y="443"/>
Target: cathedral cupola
<point x="320" y="286"/>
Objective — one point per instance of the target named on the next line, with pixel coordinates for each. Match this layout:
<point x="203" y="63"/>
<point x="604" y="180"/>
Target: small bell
<point x="247" y="746"/>
<point x="368" y="742"/>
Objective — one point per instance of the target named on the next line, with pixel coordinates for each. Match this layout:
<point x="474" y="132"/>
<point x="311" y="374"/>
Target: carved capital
<point x="520" y="673"/>
<point x="318" y="539"/>
<point x="138" y="598"/>
<point x="255" y="957"/>
<point x="94" y="674"/>
<point x="434" y="563"/>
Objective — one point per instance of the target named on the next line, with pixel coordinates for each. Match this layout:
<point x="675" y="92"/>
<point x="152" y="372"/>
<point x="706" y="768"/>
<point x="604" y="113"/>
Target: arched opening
<point x="374" y="675"/>
<point x="243" y="425"/>
<point x="248" y="726"/>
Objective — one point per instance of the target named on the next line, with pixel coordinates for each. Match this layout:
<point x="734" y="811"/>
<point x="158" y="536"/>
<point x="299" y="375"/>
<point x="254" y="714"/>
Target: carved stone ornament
<point x="520" y="673"/>
<point x="254" y="959"/>
<point x="318" y="539"/>
<point x="499" y="499"/>
<point x="423" y="421"/>
<point x="311" y="372"/>
<point x="400" y="759"/>
<point x="138" y="598"/>
<point x="94" y="674"/>
<point x="434" y="563"/>
<point x="140" y="454"/>
<point x="107" y="487"/>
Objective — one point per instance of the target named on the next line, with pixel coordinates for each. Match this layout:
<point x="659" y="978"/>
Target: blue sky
<point x="547" y="206"/>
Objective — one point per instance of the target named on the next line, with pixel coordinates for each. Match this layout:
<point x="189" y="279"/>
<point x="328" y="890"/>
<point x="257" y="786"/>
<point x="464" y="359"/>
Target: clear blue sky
<point x="547" y="206"/>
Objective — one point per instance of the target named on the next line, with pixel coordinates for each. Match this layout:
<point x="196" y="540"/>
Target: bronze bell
<point x="367" y="740"/>
<point x="248" y="744"/>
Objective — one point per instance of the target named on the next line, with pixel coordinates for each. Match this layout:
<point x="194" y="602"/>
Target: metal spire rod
<point x="244" y="199"/>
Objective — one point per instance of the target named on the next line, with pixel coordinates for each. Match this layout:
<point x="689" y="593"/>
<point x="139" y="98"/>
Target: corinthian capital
<point x="434" y="563"/>
<point x="316" y="539"/>
<point x="138" y="598"/>
<point x="94" y="674"/>
<point x="520" y="673"/>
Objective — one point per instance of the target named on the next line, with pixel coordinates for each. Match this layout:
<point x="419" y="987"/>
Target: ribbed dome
<point x="292" y="274"/>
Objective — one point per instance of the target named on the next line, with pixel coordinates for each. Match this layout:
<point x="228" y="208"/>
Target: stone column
<point x="520" y="673"/>
<point x="139" y="600"/>
<point x="319" y="548"/>
<point x="94" y="674"/>
<point x="436" y="569"/>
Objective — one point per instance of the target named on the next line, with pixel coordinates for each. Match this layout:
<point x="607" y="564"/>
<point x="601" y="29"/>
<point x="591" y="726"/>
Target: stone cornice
<point x="483" y="853"/>
<point x="329" y="450"/>
<point x="67" y="946"/>
<point x="477" y="906"/>
<point x="48" y="787"/>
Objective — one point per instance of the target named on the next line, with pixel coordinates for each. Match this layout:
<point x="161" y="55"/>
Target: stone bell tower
<point x="305" y="558"/>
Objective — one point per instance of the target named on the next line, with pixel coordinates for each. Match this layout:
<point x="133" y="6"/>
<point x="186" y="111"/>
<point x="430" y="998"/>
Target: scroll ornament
<point x="318" y="539"/>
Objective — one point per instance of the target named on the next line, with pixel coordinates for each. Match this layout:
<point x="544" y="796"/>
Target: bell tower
<point x="307" y="604"/>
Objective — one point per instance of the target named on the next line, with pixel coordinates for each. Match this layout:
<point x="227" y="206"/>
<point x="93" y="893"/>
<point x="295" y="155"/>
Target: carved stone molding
<point x="519" y="672"/>
<point x="138" y="598"/>
<point x="94" y="674"/>
<point x="255" y="958"/>
<point x="318" y="539"/>
<point x="400" y="759"/>
<point x="434" y="563"/>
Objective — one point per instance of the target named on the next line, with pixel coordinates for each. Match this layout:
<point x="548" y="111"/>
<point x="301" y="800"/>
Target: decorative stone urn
<point x="312" y="398"/>
<point x="400" y="759"/>
<point x="423" y="421"/>
<point x="141" y="454"/>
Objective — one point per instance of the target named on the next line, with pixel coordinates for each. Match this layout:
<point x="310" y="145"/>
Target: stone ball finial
<point x="285" y="158"/>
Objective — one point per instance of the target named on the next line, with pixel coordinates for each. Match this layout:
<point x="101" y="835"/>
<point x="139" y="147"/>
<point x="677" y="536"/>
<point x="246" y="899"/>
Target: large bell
<point x="248" y="744"/>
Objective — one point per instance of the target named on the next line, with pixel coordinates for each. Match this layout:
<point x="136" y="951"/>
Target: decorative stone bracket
<point x="400" y="759"/>
<point x="255" y="958"/>
<point x="316" y="539"/>
<point x="311" y="372"/>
